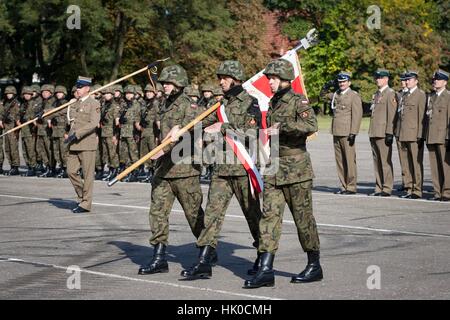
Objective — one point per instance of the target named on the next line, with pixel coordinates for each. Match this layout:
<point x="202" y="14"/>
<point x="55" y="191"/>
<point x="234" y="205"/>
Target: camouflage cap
<point x="96" y="87"/>
<point x="231" y="68"/>
<point x="150" y="88"/>
<point x="138" y="89"/>
<point x="217" y="91"/>
<point x="281" y="68"/>
<point x="119" y="88"/>
<point x="36" y="88"/>
<point x="48" y="87"/>
<point x="109" y="89"/>
<point x="130" y="89"/>
<point x="207" y="87"/>
<point x="192" y="92"/>
<point x="27" y="90"/>
<point x="10" y="90"/>
<point x="61" y="89"/>
<point x="174" y="74"/>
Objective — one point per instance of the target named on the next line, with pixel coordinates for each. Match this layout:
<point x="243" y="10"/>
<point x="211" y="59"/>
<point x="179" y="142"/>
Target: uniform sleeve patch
<point x="304" y="114"/>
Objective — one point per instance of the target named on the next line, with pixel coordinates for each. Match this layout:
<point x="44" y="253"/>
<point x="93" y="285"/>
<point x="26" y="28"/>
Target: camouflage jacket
<point x="243" y="114"/>
<point x="1" y="118"/>
<point x="177" y="110"/>
<point x="27" y="113"/>
<point x="128" y="115"/>
<point x="297" y="120"/>
<point x="43" y="129"/>
<point x="109" y="113"/>
<point x="148" y="118"/>
<point x="10" y="113"/>
<point x="58" y="120"/>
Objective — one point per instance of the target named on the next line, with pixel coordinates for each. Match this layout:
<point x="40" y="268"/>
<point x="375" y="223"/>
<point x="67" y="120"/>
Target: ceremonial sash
<point x="256" y="182"/>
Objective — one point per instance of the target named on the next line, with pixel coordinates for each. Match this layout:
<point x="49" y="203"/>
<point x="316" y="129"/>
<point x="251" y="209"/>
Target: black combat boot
<point x="46" y="170"/>
<point x="49" y="173"/>
<point x="158" y="263"/>
<point x="63" y="173"/>
<point x="1" y="169"/>
<point x="313" y="270"/>
<point x="98" y="174"/>
<point x="265" y="276"/>
<point x="148" y="178"/>
<point x="39" y="167"/>
<point x="111" y="174"/>
<point x="30" y="172"/>
<point x="203" y="269"/>
<point x="14" y="171"/>
<point x="132" y="177"/>
<point x="256" y="265"/>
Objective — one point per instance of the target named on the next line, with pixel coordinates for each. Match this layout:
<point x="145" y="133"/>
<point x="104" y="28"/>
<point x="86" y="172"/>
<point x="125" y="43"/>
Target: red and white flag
<point x="258" y="87"/>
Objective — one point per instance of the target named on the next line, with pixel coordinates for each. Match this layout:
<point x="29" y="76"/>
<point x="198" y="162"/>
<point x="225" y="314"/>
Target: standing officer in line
<point x="172" y="179"/>
<point x="438" y="136"/>
<point x="11" y="108"/>
<point x="410" y="129"/>
<point x="400" y="95"/>
<point x="346" y="106"/>
<point x="381" y="133"/>
<point x="229" y="179"/>
<point x="82" y="143"/>
<point x="28" y="132"/>
<point x="291" y="117"/>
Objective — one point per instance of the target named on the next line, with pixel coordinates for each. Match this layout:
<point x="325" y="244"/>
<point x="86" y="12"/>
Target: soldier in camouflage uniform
<point x="36" y="102"/>
<point x="99" y="164"/>
<point x="58" y="123"/>
<point x="43" y="145"/>
<point x="28" y="132"/>
<point x="109" y="139"/>
<point x="243" y="113"/>
<point x="173" y="180"/>
<point x="218" y="94"/>
<point x="291" y="117"/>
<point x="148" y="128"/>
<point x="207" y="98"/>
<point x="10" y="118"/>
<point x="126" y="120"/>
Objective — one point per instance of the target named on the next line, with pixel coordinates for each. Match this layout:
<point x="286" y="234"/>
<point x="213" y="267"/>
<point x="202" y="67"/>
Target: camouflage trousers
<point x="44" y="150"/>
<point x="110" y="155"/>
<point x="298" y="197"/>
<point x="128" y="151"/>
<point x="164" y="191"/>
<point x="147" y="145"/>
<point x="60" y="151"/>
<point x="220" y="193"/>
<point x="12" y="149"/>
<point x="2" y="157"/>
<point x="29" y="150"/>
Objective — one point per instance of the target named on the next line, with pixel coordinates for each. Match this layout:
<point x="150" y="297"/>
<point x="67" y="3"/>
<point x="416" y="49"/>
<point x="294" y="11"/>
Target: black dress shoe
<point x="435" y="199"/>
<point x="401" y="188"/>
<point x="79" y="210"/>
<point x="385" y="194"/>
<point x="340" y="192"/>
<point x="349" y="192"/>
<point x="445" y="199"/>
<point x="406" y="196"/>
<point x="375" y="194"/>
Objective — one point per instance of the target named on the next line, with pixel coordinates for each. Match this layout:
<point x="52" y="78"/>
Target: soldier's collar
<point x="234" y="92"/>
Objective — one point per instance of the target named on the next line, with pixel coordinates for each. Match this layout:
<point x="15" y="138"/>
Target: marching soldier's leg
<point x="64" y="152"/>
<point x="250" y="206"/>
<point x="436" y="176"/>
<point x="299" y="200"/>
<point x="270" y="226"/>
<point x="98" y="162"/>
<point x="386" y="168"/>
<point x="28" y="148"/>
<point x="73" y="165"/>
<point x="88" y="165"/>
<point x="161" y="204"/>
<point x="133" y="157"/>
<point x="219" y="196"/>
<point x="339" y="155"/>
<point x="15" y="151"/>
<point x="378" y="169"/>
<point x="190" y="196"/>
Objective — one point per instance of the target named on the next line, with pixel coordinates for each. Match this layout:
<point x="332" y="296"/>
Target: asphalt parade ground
<point x="371" y="247"/>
